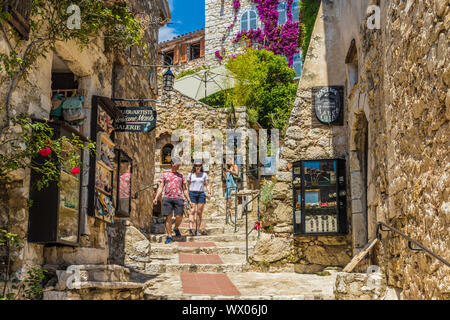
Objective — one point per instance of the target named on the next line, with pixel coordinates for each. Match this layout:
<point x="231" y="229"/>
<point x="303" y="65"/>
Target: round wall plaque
<point x="328" y="103"/>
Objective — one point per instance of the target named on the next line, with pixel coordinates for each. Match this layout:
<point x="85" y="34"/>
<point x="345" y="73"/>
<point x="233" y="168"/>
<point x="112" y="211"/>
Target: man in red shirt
<point x="174" y="185"/>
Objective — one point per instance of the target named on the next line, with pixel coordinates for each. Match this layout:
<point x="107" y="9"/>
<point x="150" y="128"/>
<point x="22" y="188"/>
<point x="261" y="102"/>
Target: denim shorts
<point x="197" y="197"/>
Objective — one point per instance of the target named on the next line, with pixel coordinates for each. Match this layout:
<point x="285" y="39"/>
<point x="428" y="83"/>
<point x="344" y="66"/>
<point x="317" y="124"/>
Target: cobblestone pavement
<point x="213" y="266"/>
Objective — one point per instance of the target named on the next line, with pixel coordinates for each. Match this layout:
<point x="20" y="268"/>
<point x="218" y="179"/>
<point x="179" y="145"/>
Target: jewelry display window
<point x="319" y="201"/>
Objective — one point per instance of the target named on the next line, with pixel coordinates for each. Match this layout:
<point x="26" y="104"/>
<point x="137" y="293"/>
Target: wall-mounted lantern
<point x="169" y="78"/>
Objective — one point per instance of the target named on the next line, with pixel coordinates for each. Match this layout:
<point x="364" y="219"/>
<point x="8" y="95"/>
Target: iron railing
<point x="227" y="216"/>
<point x="419" y="246"/>
<point x="257" y="225"/>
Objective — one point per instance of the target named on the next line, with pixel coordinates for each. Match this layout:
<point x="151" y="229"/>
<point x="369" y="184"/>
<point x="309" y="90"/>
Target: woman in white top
<point x="197" y="184"/>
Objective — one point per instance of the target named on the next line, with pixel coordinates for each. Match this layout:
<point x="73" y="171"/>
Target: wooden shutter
<point x="183" y="53"/>
<point x="176" y="54"/>
<point x="20" y="15"/>
<point x="202" y="48"/>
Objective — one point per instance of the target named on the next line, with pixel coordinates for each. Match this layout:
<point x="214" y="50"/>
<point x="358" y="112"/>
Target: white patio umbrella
<point x="205" y="82"/>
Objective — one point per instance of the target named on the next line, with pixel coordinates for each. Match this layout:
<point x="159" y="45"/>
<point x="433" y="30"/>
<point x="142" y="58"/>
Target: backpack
<point x="73" y="111"/>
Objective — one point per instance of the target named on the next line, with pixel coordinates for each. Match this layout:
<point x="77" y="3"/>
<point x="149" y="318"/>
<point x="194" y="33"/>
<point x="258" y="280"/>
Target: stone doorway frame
<point x="360" y="161"/>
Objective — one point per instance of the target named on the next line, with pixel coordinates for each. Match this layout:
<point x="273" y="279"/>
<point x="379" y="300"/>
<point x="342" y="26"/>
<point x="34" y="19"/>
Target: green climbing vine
<point x="308" y="14"/>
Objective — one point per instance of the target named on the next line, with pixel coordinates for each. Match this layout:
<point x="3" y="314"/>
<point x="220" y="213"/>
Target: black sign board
<point x="136" y="119"/>
<point x="328" y="104"/>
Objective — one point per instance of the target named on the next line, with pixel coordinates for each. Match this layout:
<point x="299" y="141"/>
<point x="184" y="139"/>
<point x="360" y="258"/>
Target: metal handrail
<point x="247" y="233"/>
<point x="419" y="246"/>
<point x="236" y="190"/>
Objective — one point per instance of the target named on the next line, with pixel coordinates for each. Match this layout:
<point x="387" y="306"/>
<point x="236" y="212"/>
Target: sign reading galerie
<point x="328" y="104"/>
<point x="136" y="119"/>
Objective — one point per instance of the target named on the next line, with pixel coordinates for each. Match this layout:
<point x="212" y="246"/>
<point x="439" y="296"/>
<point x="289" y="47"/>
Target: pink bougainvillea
<point x="281" y="40"/>
<point x="236" y="5"/>
<point x="219" y="56"/>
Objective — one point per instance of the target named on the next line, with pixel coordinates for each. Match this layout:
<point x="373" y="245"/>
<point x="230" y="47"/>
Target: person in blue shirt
<point x="230" y="172"/>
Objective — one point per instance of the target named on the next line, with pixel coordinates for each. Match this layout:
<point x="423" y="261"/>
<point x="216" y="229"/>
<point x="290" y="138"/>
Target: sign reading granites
<point x="136" y="119"/>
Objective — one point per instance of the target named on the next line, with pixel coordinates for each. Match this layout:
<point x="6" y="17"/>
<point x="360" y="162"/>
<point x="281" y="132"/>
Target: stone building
<point x="223" y="23"/>
<point x="185" y="52"/>
<point x="99" y="75"/>
<point x="393" y="136"/>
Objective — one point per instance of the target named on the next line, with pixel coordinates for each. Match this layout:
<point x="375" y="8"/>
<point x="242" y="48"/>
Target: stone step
<point x="251" y="286"/>
<point x="161" y="238"/>
<point x="171" y="265"/>
<point x="177" y="268"/>
<point x="226" y="248"/>
<point x="90" y="273"/>
<point x="94" y="290"/>
<point x="150" y="296"/>
<point x="184" y="230"/>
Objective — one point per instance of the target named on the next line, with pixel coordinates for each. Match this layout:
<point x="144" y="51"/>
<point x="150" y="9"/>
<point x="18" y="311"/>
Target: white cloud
<point x="167" y="33"/>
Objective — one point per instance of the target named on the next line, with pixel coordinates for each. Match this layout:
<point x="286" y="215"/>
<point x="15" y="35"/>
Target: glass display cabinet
<point x="55" y="214"/>
<point x="319" y="197"/>
<point x="124" y="180"/>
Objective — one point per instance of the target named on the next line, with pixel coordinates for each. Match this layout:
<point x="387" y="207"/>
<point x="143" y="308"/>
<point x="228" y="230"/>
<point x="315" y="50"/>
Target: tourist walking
<point x="197" y="185"/>
<point x="174" y="185"/>
<point x="230" y="171"/>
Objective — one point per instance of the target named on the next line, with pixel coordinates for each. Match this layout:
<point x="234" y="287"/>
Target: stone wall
<point x="94" y="68"/>
<point x="219" y="16"/>
<point x="190" y="65"/>
<point x="410" y="71"/>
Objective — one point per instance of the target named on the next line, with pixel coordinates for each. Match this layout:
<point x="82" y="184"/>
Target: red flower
<point x="75" y="171"/>
<point x="45" y="152"/>
<point x="257" y="225"/>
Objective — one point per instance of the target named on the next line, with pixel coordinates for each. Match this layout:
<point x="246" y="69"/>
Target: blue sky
<point x="187" y="16"/>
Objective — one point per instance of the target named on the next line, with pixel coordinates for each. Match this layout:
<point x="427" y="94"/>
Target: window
<point x="194" y="51"/>
<point x="249" y="20"/>
<point x="351" y="61"/>
<point x="166" y="154"/>
<point x="282" y="14"/>
<point x="319" y="197"/>
<point x="55" y="217"/>
<point x="298" y="64"/>
<point x="295" y="9"/>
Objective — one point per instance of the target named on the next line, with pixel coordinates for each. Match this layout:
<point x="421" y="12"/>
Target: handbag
<point x="73" y="110"/>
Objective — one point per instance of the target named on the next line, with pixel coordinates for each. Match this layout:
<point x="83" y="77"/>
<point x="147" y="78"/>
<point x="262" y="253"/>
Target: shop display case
<point x="54" y="217"/>
<point x="319" y="197"/>
<point x="103" y="175"/>
<point x="124" y="181"/>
